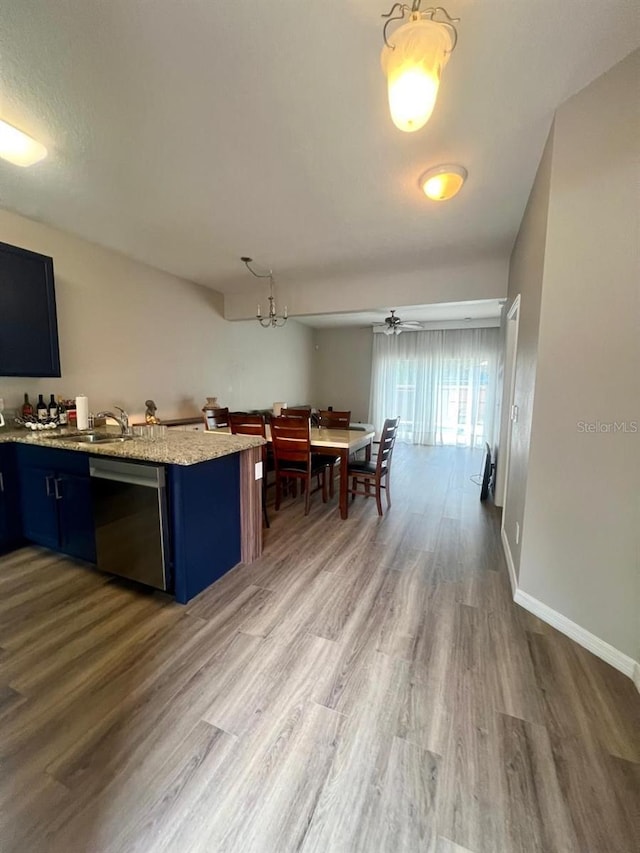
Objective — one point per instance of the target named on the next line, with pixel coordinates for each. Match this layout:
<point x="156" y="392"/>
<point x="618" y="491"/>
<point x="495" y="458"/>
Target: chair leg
<point x="324" y="484"/>
<point x="307" y="501"/>
<point x="278" y="491"/>
<point x="331" y="480"/>
<point x="388" y="490"/>
<point x="354" y="486"/>
<point x="379" y="497"/>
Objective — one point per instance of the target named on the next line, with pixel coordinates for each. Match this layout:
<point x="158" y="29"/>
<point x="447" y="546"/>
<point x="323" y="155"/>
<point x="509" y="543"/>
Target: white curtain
<point x="442" y="383"/>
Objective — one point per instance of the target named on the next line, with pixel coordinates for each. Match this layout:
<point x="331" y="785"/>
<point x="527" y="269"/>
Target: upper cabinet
<point x="28" y="321"/>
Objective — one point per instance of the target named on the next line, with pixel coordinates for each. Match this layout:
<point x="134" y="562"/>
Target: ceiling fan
<point x="394" y="325"/>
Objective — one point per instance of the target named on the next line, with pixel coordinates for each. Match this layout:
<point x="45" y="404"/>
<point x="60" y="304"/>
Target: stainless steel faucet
<point x="122" y="420"/>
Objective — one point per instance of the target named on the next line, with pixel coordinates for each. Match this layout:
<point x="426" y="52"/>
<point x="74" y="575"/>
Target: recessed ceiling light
<point x="19" y="148"/>
<point x="442" y="182"/>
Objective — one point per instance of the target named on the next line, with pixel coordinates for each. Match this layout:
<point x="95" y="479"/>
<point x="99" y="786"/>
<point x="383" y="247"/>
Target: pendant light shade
<point x="18" y="147"/>
<point x="413" y="58"/>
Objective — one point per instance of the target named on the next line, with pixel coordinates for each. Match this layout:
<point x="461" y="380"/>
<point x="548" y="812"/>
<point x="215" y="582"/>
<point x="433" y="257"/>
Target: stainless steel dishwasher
<point x="131" y="521"/>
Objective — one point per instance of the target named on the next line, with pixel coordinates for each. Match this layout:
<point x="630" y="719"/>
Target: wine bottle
<point x="53" y="409"/>
<point x="27" y="409"/>
<point x="62" y="412"/>
<point x="41" y="410"/>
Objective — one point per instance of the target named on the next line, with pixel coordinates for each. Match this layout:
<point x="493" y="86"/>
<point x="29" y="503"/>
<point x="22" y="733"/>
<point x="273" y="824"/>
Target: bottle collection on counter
<point x="52" y="414"/>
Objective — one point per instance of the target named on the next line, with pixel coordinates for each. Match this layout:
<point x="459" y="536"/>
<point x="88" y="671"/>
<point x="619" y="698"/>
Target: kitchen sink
<point x="93" y="438"/>
<point x="102" y="439"/>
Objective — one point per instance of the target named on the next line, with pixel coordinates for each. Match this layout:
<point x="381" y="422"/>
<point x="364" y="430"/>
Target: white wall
<point x="342" y="370"/>
<point x="581" y="545"/>
<point x="129" y="332"/>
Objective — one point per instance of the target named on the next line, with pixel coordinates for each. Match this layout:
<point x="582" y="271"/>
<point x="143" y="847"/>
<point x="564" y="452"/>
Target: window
<point x="441" y="383"/>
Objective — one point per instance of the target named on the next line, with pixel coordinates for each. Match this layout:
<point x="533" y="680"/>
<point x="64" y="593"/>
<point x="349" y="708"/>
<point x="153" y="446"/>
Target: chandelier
<point x="413" y="61"/>
<point x="272" y="319"/>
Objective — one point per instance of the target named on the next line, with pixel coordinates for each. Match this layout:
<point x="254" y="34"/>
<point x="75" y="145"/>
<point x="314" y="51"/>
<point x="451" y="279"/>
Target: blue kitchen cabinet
<point x="10" y="523"/>
<point x="55" y="499"/>
<point x="204" y="508"/>
<point x="75" y="517"/>
<point x="39" y="507"/>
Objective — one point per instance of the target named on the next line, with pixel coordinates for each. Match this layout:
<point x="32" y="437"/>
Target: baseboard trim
<point x="510" y="566"/>
<point x="606" y="652"/>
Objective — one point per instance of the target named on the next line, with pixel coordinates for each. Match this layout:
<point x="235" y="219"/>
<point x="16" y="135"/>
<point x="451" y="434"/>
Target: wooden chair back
<point x="296" y="413"/>
<point x="387" y="442"/>
<point x="291" y="441"/>
<point x="216" y="418"/>
<point x="333" y="420"/>
<point x="243" y="424"/>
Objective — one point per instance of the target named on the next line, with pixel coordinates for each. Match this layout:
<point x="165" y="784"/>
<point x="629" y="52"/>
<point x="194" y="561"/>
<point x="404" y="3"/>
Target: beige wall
<point x="129" y="332"/>
<point x="342" y="370"/>
<point x="457" y="281"/>
<point x="525" y="279"/>
<point x="580" y="544"/>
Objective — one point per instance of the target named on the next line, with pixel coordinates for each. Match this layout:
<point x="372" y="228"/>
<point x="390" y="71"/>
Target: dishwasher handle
<point x="149" y="476"/>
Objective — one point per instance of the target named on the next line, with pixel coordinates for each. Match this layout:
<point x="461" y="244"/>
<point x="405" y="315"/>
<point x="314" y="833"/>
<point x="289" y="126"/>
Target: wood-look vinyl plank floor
<point x="367" y="685"/>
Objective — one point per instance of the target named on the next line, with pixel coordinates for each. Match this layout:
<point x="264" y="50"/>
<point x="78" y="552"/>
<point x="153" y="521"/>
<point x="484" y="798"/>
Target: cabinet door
<point x="38" y="502"/>
<point x="28" y="324"/>
<point x="10" y="526"/>
<point x="75" y="516"/>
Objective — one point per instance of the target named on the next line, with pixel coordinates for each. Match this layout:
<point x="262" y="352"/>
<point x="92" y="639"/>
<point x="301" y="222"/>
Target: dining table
<point x="340" y="443"/>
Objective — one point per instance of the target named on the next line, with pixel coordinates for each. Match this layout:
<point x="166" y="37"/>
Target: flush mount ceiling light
<point x="413" y="61"/>
<point x="272" y="319"/>
<point x="442" y="182"/>
<point x="19" y="148"/>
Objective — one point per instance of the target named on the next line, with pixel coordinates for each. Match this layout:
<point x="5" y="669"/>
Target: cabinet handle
<point x="56" y="485"/>
<point x="47" y="481"/>
<point x="1" y="482"/>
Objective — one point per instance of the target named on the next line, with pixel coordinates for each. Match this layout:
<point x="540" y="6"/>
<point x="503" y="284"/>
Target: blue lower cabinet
<point x="204" y="507"/>
<point x="39" y="506"/>
<point x="10" y="521"/>
<point x="75" y="517"/>
<point x="55" y="499"/>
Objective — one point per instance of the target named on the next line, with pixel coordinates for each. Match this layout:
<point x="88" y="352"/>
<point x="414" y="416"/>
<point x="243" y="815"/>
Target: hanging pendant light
<point x="413" y="61"/>
<point x="273" y="319"/>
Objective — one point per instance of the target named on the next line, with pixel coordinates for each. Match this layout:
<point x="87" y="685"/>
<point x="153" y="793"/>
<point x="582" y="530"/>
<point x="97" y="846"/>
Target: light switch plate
<point x="258" y="470"/>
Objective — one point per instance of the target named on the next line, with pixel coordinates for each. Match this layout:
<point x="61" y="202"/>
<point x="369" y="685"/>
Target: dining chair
<point x="245" y="424"/>
<point x="296" y="413"/>
<point x="291" y="442"/>
<point x="376" y="473"/>
<point x="216" y="418"/>
<point x="329" y="419"/>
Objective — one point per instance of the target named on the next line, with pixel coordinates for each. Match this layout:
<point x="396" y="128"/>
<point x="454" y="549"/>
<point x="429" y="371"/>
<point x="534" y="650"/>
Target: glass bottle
<point x="62" y="412"/>
<point x="27" y="409"/>
<point x="42" y="410"/>
<point x="53" y="409"/>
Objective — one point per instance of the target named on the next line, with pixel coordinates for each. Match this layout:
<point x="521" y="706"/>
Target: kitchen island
<point x="213" y="497"/>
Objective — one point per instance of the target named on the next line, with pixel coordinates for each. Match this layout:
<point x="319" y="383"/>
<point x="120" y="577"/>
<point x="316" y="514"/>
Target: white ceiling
<point x="188" y="134"/>
<point x="485" y="312"/>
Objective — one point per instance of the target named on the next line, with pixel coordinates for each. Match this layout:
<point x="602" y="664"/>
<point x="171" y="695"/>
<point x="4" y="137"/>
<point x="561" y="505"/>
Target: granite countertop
<point x="176" y="448"/>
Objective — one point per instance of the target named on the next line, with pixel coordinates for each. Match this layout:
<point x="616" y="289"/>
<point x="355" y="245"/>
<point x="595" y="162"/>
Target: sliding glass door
<point x="442" y="383"/>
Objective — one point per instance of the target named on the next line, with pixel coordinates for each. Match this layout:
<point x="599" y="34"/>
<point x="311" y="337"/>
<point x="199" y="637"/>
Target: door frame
<point x="504" y="451"/>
